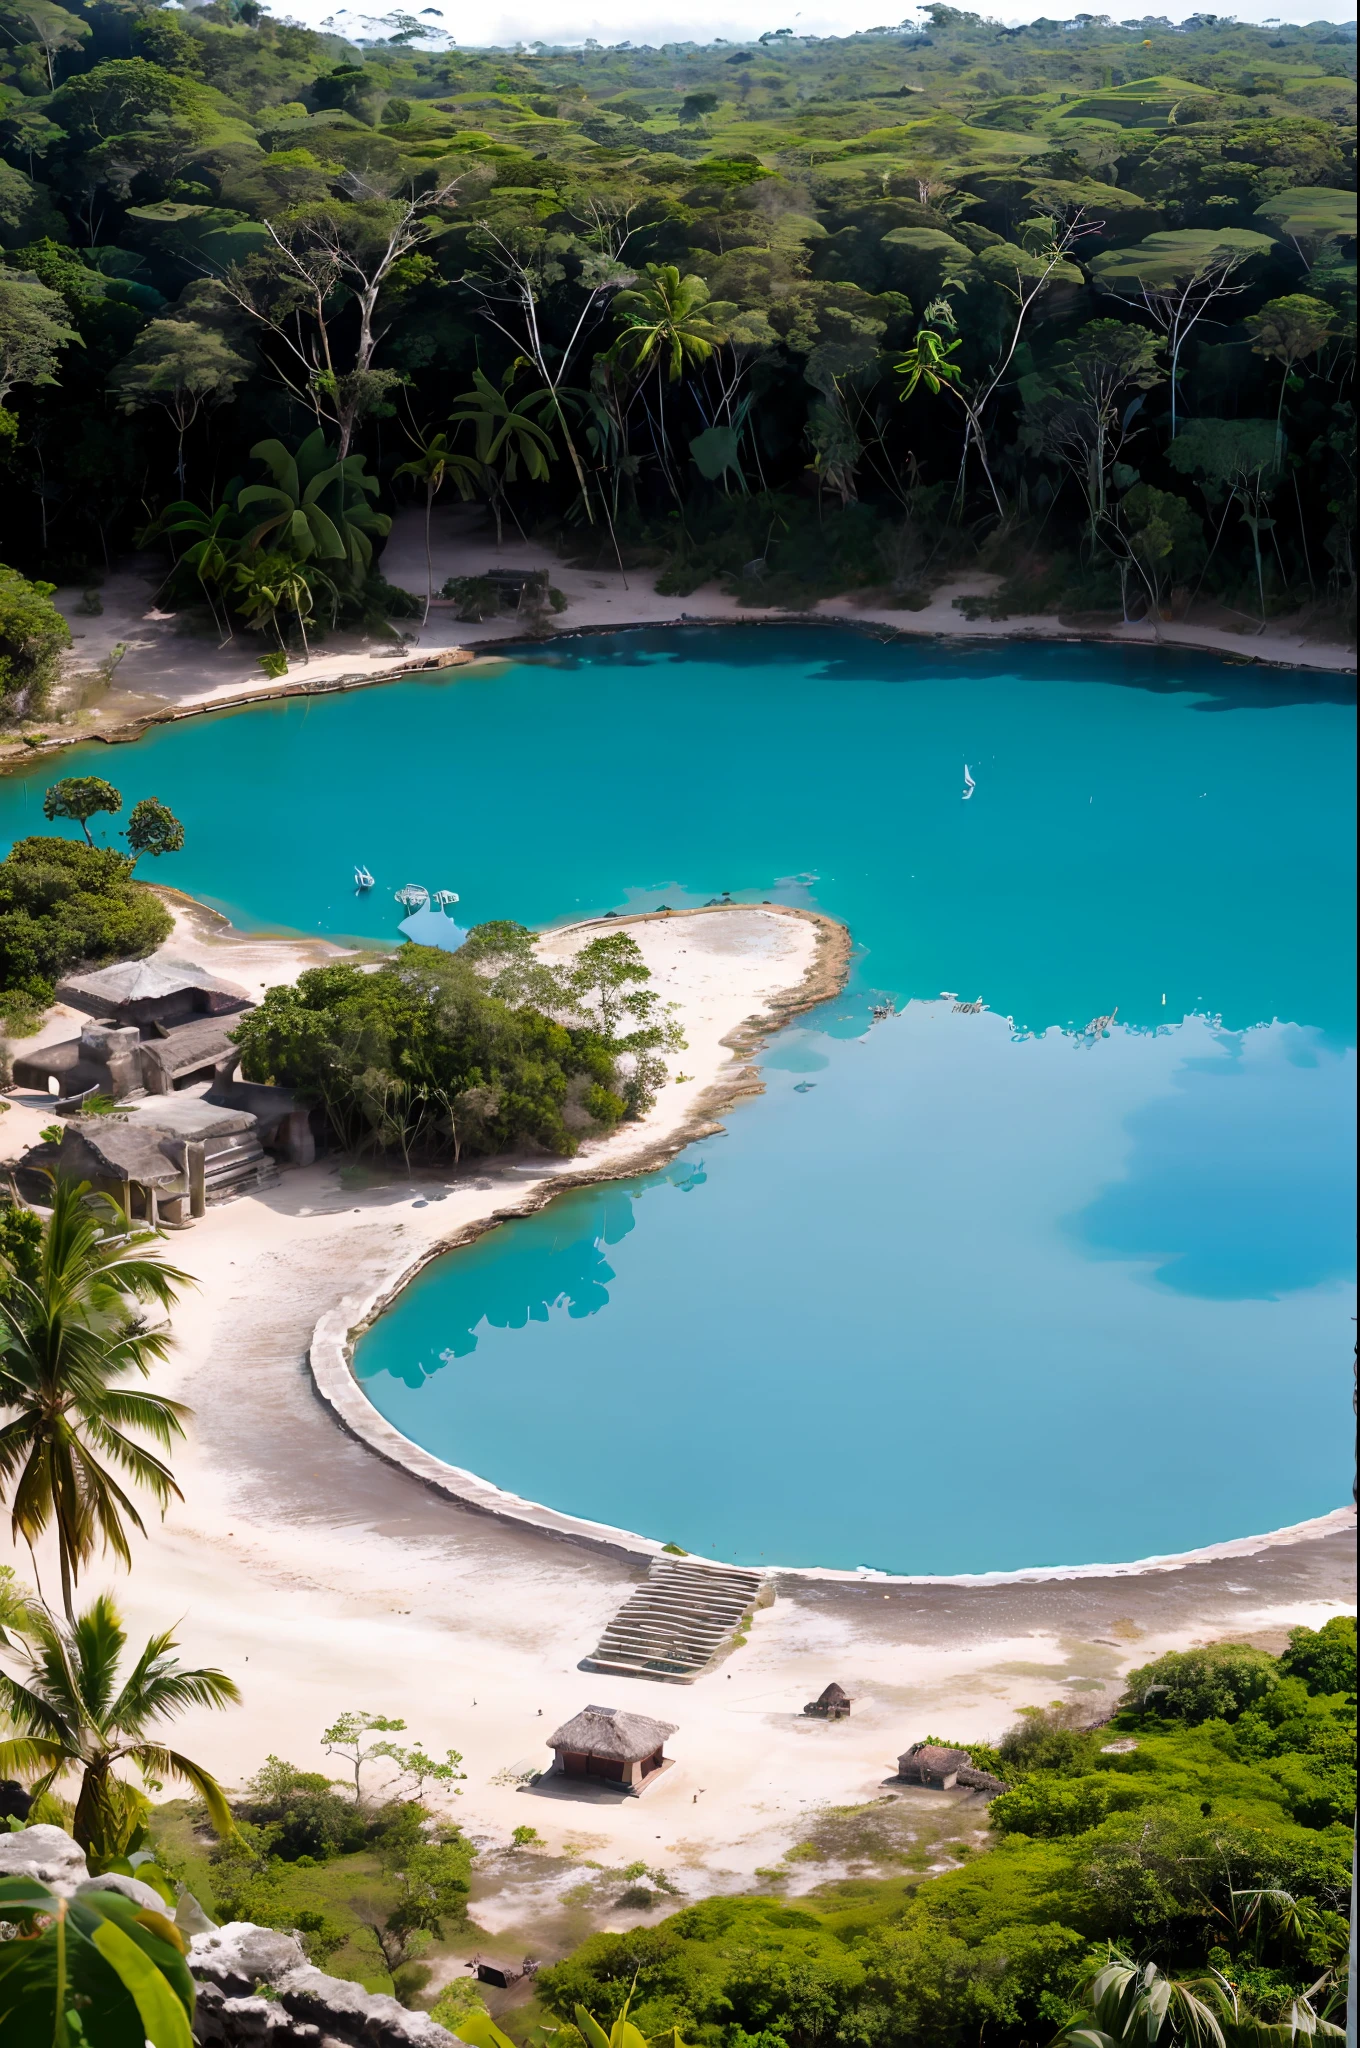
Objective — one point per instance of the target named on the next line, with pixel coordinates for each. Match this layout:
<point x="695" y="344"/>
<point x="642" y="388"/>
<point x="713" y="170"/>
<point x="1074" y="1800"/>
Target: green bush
<point x="421" y="1058"/>
<point x="64" y="905"/>
<point x="1217" y="1683"/>
<point x="1323" y="1658"/>
<point x="33" y="634"/>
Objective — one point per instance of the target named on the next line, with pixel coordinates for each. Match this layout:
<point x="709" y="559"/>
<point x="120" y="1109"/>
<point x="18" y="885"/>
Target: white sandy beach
<point x="324" y="1578"/>
<point x="166" y="667"/>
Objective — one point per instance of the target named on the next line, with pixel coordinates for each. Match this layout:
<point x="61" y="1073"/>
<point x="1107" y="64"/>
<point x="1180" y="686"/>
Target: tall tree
<point x="322" y="285"/>
<point x="1176" y="277"/>
<point x="1078" y="407"/>
<point x="34" y="330"/>
<point x="183" y="368"/>
<point x="71" y="1335"/>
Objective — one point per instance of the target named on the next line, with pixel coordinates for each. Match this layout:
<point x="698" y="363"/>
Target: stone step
<point x="236" y="1165"/>
<point x="677" y="1621"/>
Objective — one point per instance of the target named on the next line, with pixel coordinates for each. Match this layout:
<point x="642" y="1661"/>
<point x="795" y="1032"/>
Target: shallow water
<point x="959" y="1293"/>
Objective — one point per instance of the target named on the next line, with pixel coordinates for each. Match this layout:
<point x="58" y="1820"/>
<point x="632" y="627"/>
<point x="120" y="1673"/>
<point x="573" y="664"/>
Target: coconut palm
<point x="316" y="505"/>
<point x="506" y="434"/>
<point x="666" y="327"/>
<point x="69" y="1334"/>
<point x="74" y="1713"/>
<point x="665" y="321"/>
<point x="433" y="464"/>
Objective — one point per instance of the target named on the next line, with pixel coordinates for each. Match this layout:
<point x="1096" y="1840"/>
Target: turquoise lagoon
<point x="958" y="1293"/>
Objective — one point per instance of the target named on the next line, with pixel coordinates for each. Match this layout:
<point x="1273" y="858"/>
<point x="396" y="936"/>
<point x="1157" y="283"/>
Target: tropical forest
<point x="1070" y="301"/>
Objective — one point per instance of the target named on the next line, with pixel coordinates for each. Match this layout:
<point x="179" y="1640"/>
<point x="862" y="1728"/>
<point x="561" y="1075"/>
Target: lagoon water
<point x="958" y="1293"/>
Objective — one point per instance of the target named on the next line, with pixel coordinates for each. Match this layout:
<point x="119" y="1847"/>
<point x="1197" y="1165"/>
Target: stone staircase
<point x="235" y="1164"/>
<point x="678" y="1620"/>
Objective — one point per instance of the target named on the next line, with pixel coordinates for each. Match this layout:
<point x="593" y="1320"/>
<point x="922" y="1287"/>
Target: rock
<point x="240" y="1955"/>
<point x="304" y="2006"/>
<point x="353" y="2014"/>
<point x="221" y="2022"/>
<point x="131" y="1888"/>
<point x="49" y="1854"/>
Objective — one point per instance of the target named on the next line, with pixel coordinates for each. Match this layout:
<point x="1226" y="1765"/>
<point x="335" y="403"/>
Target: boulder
<point x="49" y="1854"/>
<point x="240" y="1955"/>
<point x="304" y="2005"/>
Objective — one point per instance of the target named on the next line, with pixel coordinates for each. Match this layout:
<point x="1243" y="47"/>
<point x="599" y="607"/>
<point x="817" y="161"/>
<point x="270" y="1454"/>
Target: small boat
<point x="968" y="783"/>
<point x="362" y="879"/>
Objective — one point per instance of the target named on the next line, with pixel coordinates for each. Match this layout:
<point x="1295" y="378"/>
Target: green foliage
<point x="72" y="1709"/>
<point x="153" y="828"/>
<point x="1214" y="1843"/>
<point x="98" y="1969"/>
<point x="1323" y="1658"/>
<point x="693" y="288"/>
<point x="63" y="905"/>
<point x="420" y="1057"/>
<point x="81" y="797"/>
<point x="1200" y="1685"/>
<point x="33" y="634"/>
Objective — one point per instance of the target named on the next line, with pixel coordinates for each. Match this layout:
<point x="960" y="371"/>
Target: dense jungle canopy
<point x="1072" y="300"/>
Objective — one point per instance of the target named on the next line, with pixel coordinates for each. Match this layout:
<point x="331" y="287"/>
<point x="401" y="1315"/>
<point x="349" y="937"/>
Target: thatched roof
<point x="834" y="1696"/>
<point x="108" y="1148"/>
<point x="607" y="1732"/>
<point x="187" y="1047"/>
<point x="142" y="981"/>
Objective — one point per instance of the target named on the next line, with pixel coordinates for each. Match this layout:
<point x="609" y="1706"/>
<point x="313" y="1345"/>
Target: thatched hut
<point x="613" y="1747"/>
<point x="832" y="1705"/>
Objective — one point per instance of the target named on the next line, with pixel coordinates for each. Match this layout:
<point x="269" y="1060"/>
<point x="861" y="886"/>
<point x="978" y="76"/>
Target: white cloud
<point x="570" y="22"/>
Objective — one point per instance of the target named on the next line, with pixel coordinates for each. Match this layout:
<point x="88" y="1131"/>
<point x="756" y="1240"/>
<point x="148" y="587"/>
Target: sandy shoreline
<point x="324" y="1577"/>
<point x="166" y="672"/>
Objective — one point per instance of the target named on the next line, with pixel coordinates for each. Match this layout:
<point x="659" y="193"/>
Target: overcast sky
<point x="506" y="22"/>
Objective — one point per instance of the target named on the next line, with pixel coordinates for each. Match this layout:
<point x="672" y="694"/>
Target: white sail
<point x="968" y="783"/>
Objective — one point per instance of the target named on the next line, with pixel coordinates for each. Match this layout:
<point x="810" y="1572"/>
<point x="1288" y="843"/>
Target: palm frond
<point x="157" y="1762"/>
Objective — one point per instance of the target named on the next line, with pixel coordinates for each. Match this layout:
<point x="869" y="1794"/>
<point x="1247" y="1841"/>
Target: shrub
<point x="32" y="636"/>
<point x="1323" y="1658"/>
<point x="420" y="1057"/>
<point x="1217" y="1683"/>
<point x="65" y="905"/>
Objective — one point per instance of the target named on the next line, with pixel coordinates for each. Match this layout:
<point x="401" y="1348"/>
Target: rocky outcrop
<point x="48" y="1854"/>
<point x="256" y="1988"/>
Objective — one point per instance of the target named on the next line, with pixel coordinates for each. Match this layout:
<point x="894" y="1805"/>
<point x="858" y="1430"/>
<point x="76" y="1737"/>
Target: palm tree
<point x="505" y="434"/>
<point x="434" y="463"/>
<point x="211" y="552"/>
<point x="1130" y="2001"/>
<point x="1135" y="2002"/>
<point x="316" y="505"/>
<point x="73" y="1713"/>
<point x="69" y="1332"/>
<point x="665" y="320"/>
<point x="930" y="362"/>
<point x="665" y="324"/>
